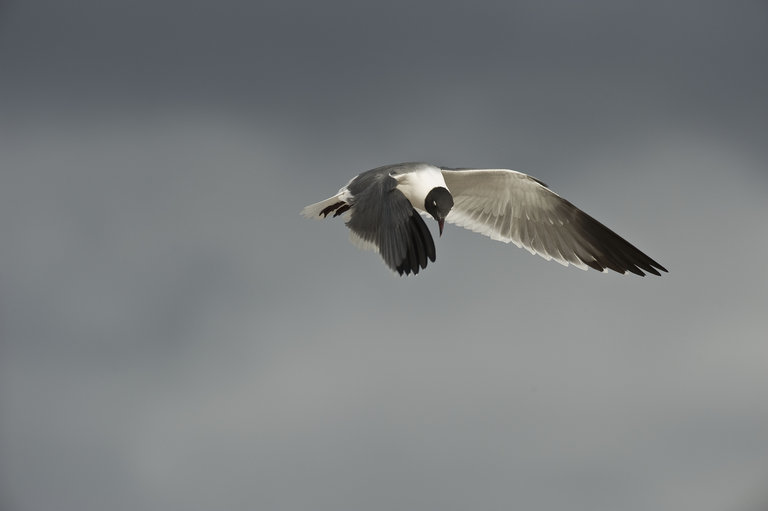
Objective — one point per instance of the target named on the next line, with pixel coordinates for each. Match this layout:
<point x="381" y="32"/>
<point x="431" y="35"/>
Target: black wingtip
<point x="611" y="251"/>
<point x="420" y="249"/>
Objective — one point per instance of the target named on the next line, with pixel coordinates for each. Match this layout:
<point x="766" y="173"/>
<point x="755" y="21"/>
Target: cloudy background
<point x="174" y="336"/>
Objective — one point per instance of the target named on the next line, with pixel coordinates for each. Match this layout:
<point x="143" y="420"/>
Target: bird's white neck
<point x="416" y="184"/>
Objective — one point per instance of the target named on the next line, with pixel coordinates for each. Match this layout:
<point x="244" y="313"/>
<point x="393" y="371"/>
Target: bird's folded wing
<point x="382" y="216"/>
<point x="510" y="206"/>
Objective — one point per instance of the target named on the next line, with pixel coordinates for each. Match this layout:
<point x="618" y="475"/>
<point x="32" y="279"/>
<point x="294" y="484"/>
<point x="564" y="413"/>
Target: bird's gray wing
<point x="510" y="206"/>
<point x="382" y="216"/>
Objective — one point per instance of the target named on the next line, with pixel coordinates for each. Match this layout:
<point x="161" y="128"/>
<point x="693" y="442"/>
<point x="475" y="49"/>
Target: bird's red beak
<point x="440" y="224"/>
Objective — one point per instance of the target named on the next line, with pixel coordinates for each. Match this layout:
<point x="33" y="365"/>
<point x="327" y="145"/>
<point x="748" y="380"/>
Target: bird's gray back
<point x="380" y="176"/>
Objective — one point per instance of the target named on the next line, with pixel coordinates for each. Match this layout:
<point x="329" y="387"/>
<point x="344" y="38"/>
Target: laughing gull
<point x="383" y="209"/>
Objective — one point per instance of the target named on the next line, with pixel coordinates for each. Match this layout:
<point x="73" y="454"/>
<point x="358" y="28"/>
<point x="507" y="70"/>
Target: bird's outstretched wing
<point x="510" y="206"/>
<point x="382" y="216"/>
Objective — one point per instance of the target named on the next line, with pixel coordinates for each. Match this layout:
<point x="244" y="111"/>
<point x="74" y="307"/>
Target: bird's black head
<point x="438" y="203"/>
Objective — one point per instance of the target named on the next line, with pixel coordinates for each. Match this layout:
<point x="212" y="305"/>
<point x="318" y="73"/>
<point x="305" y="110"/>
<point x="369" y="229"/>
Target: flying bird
<point x="383" y="209"/>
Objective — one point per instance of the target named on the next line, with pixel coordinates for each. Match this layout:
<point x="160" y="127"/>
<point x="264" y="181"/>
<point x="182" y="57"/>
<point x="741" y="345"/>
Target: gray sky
<point x="174" y="336"/>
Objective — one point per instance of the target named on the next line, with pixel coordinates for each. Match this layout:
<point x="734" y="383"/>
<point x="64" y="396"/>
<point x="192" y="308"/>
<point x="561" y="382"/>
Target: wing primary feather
<point x="412" y="255"/>
<point x="429" y="243"/>
<point x="612" y="250"/>
<point x="420" y="247"/>
<point x="418" y="240"/>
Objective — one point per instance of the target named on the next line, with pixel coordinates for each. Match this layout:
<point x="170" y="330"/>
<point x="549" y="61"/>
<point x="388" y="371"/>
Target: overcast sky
<point x="175" y="336"/>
